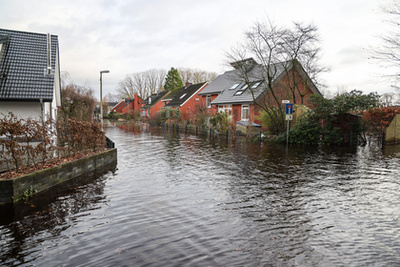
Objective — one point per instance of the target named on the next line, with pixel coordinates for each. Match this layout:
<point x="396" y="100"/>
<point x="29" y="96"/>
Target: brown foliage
<point x="378" y="119"/>
<point x="77" y="103"/>
<point x="30" y="142"/>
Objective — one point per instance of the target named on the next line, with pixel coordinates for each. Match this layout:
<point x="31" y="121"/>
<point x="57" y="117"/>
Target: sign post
<point x="289" y="117"/>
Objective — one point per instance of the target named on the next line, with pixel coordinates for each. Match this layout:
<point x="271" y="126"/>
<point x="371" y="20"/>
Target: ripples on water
<point x="182" y="200"/>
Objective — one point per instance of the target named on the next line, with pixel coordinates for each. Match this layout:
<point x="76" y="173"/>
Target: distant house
<point x="187" y="100"/>
<point x="229" y="93"/>
<point x="29" y="74"/>
<point x="128" y="105"/>
<point x="153" y="104"/>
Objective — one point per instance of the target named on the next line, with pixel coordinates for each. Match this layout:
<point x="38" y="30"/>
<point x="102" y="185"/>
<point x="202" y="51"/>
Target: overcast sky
<point x="127" y="36"/>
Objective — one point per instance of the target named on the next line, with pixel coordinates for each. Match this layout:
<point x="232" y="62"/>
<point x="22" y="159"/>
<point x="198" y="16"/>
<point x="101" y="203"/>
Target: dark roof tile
<point x="23" y="64"/>
<point x="183" y="94"/>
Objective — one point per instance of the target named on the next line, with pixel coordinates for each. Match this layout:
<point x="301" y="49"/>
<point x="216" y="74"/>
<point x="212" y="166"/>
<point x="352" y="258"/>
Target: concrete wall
<point x="392" y="133"/>
<point x="12" y="190"/>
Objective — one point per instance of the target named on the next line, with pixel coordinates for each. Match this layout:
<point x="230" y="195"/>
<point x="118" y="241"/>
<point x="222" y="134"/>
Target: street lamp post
<point x="101" y="95"/>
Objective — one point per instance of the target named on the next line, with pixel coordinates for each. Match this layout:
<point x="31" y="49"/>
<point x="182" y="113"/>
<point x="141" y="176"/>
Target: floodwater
<point x="187" y="200"/>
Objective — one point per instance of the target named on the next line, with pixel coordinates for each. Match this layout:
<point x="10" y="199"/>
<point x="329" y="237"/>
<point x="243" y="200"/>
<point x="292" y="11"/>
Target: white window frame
<point x="245" y="113"/>
<point x="226" y="109"/>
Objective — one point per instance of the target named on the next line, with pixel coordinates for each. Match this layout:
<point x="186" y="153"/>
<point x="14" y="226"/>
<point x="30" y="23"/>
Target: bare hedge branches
<point x="28" y="141"/>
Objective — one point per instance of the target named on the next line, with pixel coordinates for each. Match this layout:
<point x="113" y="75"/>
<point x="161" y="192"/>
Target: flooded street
<point x="185" y="200"/>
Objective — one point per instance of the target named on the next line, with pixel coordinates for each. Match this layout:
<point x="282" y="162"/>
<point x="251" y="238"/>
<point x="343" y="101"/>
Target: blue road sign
<point x="289" y="108"/>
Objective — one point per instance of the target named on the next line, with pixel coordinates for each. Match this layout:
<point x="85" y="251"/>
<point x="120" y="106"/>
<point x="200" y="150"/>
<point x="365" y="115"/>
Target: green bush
<point x="220" y="122"/>
<point x="272" y="120"/>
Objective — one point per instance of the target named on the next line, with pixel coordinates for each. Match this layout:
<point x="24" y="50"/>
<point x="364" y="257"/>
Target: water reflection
<point x="186" y="200"/>
<point x="46" y="216"/>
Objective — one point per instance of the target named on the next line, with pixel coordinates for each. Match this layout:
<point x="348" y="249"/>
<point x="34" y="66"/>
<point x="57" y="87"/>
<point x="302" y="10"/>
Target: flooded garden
<point x="181" y="199"/>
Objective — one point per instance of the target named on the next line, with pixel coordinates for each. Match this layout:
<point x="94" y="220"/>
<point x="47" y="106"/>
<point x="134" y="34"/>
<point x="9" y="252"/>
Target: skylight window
<point x="182" y="96"/>
<point x="239" y="92"/>
<point x="255" y="84"/>
<point x="234" y="86"/>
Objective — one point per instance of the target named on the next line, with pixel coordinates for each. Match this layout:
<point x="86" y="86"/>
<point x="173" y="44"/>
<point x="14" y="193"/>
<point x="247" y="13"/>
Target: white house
<point x="29" y="74"/>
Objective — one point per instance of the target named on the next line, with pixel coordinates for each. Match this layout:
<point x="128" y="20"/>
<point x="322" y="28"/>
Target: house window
<point x="225" y="109"/>
<point x="245" y="112"/>
<point x="208" y="101"/>
<point x="234" y="86"/>
<point x="241" y="90"/>
<point x="255" y="84"/>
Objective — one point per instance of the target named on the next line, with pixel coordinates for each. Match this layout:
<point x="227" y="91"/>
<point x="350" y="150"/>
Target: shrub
<point x="220" y="122"/>
<point x="19" y="135"/>
<point x="271" y="120"/>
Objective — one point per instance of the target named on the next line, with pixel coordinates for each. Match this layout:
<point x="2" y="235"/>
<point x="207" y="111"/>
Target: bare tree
<point x="387" y="99"/>
<point x="155" y="80"/>
<point x="112" y="98"/>
<point x="389" y="53"/>
<point x="189" y="75"/>
<point x="144" y="83"/>
<point x="126" y="87"/>
<point x="277" y="48"/>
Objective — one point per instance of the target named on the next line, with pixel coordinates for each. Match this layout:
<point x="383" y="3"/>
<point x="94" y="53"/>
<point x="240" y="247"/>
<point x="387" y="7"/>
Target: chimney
<point x="48" y="69"/>
<point x="187" y="85"/>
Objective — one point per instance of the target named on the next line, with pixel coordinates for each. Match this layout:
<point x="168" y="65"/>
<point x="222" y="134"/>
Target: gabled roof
<point x="172" y="94"/>
<point x="29" y="65"/>
<point x="153" y="99"/>
<point x="119" y="105"/>
<point x="219" y="84"/>
<point x="184" y="93"/>
<point x="234" y="90"/>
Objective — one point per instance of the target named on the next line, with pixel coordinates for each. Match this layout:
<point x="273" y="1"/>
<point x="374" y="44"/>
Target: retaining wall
<point x="12" y="190"/>
<point x="392" y="133"/>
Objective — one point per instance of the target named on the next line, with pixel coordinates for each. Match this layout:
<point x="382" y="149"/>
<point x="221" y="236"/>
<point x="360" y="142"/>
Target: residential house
<point x="128" y="105"/>
<point x="172" y="94"/>
<point x="214" y="89"/>
<point x="239" y="92"/>
<point x="29" y="74"/>
<point x="153" y="104"/>
<point x="187" y="100"/>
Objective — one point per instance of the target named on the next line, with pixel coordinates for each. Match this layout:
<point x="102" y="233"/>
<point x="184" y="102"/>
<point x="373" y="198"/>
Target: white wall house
<point x="29" y="74"/>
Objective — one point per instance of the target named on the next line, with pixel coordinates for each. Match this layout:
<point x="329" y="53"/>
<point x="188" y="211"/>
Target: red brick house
<point x="230" y="93"/>
<point x="187" y="100"/>
<point x="153" y="104"/>
<point x="128" y="105"/>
